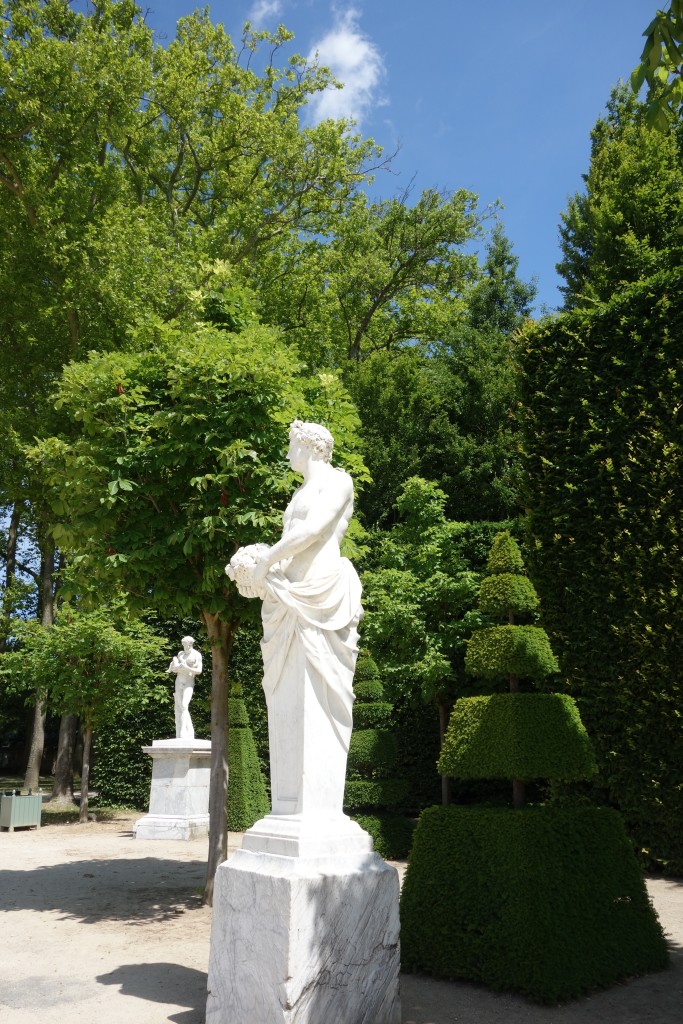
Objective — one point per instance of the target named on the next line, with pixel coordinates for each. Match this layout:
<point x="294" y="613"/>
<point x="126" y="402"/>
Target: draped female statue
<point x="311" y="609"/>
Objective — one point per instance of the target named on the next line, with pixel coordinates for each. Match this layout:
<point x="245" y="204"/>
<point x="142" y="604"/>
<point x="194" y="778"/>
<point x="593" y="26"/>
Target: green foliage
<point x="392" y="834"/>
<point x="505" y="556"/>
<point x="547" y="902"/>
<point x="510" y="650"/>
<point x="366" y="669"/>
<point x="624" y="225"/>
<point x="603" y="391"/>
<point x="247" y="796"/>
<point x="361" y="793"/>
<point x="372" y="751"/>
<point x="507" y="592"/>
<point x="517" y="736"/>
<point x="121" y="771"/>
<point x="373" y="715"/>
<point x="660" y="66"/>
<point x="180" y="459"/>
<point x="89" y="664"/>
<point x="370" y="690"/>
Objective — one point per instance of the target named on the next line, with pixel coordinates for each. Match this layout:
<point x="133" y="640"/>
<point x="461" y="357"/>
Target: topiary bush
<point x="545" y="900"/>
<point x="520" y="735"/>
<point x="372" y="792"/>
<point x="510" y="650"/>
<point x="549" y="902"/>
<point x="247" y="795"/>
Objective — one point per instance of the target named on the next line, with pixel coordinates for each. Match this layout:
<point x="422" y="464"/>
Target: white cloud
<point x="264" y="10"/>
<point x="355" y="61"/>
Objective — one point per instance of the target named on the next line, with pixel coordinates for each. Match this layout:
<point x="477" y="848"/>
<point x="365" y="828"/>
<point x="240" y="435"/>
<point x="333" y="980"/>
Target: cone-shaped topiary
<point x="371" y="793"/>
<point x="545" y="900"/>
<point x="247" y="795"/>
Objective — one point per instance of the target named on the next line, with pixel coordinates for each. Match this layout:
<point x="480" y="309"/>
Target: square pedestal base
<point x="302" y="940"/>
<point x="179" y="795"/>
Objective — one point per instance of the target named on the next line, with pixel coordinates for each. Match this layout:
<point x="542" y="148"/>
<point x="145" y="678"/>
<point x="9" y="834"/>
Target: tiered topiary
<point x="372" y="794"/>
<point x="546" y="900"/>
<point x="247" y="795"/>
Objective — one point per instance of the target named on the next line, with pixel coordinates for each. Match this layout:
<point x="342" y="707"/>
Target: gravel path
<point x="99" y="927"/>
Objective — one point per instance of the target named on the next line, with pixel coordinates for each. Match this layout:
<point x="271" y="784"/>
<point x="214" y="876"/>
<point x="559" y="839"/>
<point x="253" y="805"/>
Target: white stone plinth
<point x="179" y="795"/>
<point x="305" y="939"/>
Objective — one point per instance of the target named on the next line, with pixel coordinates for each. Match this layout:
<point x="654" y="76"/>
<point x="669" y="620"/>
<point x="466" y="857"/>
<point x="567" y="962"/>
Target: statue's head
<point x="314" y="437"/>
<point x="187" y="641"/>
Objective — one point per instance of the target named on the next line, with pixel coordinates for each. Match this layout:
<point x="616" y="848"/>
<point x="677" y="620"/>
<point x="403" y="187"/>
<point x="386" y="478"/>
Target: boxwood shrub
<point x="392" y="834"/>
<point x="247" y="796"/>
<point x="510" y="650"/>
<point x="497" y="594"/>
<point x="546" y="901"/>
<point x="517" y="735"/>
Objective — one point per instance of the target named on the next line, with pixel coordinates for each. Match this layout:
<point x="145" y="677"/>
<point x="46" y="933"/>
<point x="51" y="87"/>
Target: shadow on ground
<point x="133" y="889"/>
<point x="163" y="983"/>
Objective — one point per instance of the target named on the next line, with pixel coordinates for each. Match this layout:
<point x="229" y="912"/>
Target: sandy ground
<point x="100" y="927"/>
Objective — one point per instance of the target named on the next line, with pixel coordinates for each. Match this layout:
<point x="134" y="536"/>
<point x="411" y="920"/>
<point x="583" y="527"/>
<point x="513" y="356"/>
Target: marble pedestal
<point x="179" y="795"/>
<point x="307" y="934"/>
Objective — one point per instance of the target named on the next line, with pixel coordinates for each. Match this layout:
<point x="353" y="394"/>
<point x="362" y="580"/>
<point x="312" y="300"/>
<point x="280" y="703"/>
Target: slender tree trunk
<point x="10" y="564"/>
<point x="85" y="773"/>
<point x="444" y="715"/>
<point x="221" y="637"/>
<point x="46" y="612"/>
<point x="63" y="788"/>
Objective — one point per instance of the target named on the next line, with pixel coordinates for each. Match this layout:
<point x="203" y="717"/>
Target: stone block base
<point x="302" y="940"/>
<point x="167" y="826"/>
<point x="179" y="794"/>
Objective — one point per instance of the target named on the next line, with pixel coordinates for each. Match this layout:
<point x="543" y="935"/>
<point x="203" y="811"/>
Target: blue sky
<point x="496" y="97"/>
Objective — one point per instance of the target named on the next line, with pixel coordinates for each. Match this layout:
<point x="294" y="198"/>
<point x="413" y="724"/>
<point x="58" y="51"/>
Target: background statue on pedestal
<point x="186" y="664"/>
<point x="311" y="609"/>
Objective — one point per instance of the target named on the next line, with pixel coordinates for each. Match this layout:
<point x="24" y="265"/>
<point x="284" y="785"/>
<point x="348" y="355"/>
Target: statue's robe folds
<point x="309" y="646"/>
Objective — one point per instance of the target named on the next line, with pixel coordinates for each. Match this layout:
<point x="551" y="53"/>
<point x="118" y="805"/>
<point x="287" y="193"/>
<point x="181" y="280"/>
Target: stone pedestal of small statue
<point x="181" y="767"/>
<point x="305" y="917"/>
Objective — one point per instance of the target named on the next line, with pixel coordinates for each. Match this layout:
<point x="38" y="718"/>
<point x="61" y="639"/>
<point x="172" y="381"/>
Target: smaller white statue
<point x="186" y="664"/>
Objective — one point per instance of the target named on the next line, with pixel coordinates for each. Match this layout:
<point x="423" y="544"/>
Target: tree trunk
<point x="10" y="564"/>
<point x="221" y="637"/>
<point x="85" y="773"/>
<point x="46" y="613"/>
<point x="63" y="788"/>
<point x="444" y="715"/>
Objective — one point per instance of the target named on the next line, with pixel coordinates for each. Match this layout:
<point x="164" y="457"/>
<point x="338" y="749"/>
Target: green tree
<point x="625" y="226"/>
<point x="178" y="462"/>
<point x="85" y="665"/>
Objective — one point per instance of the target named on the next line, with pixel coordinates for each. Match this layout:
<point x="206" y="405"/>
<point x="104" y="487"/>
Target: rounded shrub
<point x="373" y="715"/>
<point x="510" y="650"/>
<point x="505" y="556"/>
<point x="369" y="690"/>
<point x="373" y="751"/>
<point x="366" y="668"/>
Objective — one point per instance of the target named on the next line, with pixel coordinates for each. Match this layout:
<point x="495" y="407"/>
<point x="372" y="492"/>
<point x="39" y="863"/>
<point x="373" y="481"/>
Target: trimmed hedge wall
<point x="517" y="735"/>
<point x="374" y="792"/>
<point x="602" y="390"/>
<point x="392" y="834"/>
<point x="503" y="650"/>
<point x="546" y="901"/>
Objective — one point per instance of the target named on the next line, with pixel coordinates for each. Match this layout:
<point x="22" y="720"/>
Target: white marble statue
<point x="311" y="609"/>
<point x="186" y="664"/>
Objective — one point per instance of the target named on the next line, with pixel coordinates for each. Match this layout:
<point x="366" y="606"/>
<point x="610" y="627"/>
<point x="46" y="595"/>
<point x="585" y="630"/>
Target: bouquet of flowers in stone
<point x="241" y="567"/>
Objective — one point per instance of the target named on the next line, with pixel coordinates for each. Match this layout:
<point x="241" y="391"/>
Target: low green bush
<point x="517" y="736"/>
<point x="392" y="834"/>
<point x="498" y="594"/>
<point x="510" y="650"/>
<point x="366" y="668"/>
<point x="247" y="796"/>
<point x="546" y="901"/>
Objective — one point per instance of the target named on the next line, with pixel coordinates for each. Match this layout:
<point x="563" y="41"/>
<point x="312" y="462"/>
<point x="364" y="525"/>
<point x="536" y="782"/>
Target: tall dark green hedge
<point x="247" y="796"/>
<point x="602" y="391"/>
